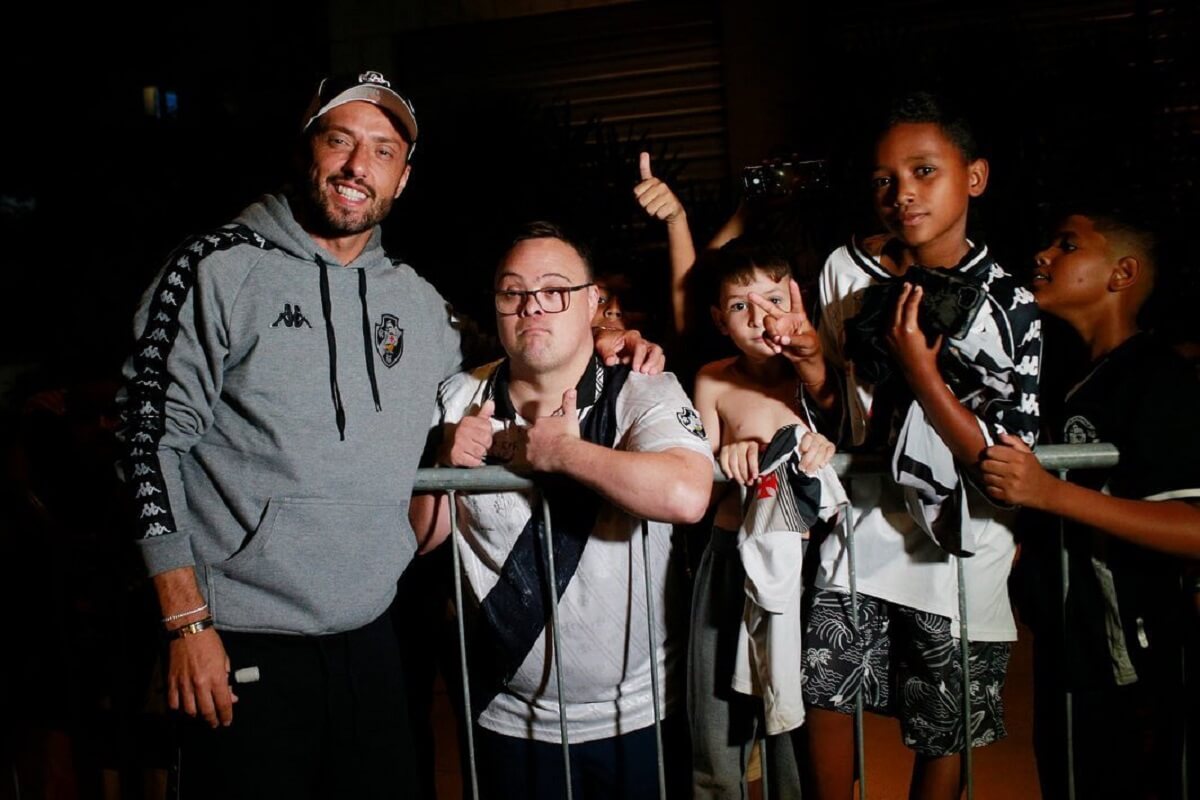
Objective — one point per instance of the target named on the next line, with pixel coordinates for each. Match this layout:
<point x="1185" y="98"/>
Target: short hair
<point x="1144" y="238"/>
<point x="924" y="107"/>
<point x="1131" y="219"/>
<point x="544" y="229"/>
<point x="737" y="260"/>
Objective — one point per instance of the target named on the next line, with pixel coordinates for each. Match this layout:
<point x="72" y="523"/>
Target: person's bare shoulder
<point x="716" y="370"/>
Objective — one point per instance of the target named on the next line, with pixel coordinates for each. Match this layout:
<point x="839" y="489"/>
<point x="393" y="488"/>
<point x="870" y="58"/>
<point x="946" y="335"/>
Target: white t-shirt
<point x="605" y="662"/>
<point x="894" y="559"/>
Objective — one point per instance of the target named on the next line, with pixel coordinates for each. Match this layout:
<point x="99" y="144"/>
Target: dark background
<point x="527" y="113"/>
<point x="530" y="108"/>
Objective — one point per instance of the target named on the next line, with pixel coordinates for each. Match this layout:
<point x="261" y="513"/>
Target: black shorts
<point x="907" y="665"/>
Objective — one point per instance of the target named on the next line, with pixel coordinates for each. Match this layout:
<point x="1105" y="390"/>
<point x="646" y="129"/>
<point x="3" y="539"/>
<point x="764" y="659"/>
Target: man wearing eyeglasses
<point x="276" y="407"/>
<point x="632" y="448"/>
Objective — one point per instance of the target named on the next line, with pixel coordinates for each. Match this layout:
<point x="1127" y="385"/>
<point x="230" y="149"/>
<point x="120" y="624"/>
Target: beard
<point x="332" y="220"/>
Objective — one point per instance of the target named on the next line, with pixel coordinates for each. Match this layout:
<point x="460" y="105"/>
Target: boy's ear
<point x="977" y="177"/>
<point x="1126" y="273"/>
<point x="718" y="320"/>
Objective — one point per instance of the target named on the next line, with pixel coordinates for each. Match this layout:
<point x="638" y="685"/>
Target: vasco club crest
<point x="690" y="420"/>
<point x="389" y="339"/>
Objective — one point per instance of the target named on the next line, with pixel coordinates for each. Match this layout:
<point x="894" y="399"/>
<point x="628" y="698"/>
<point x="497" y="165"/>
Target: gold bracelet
<point x="191" y="629"/>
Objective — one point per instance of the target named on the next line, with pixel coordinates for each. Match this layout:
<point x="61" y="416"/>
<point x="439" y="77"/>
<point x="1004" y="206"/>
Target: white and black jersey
<point x="606" y="668"/>
<point x="993" y="370"/>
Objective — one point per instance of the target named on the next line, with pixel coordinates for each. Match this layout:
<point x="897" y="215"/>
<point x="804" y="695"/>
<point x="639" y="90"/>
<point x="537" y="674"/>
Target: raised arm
<point x="955" y="424"/>
<point x="734" y="227"/>
<point x="657" y="200"/>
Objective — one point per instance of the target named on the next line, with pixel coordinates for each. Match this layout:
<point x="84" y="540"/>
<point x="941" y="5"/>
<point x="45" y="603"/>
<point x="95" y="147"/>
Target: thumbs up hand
<point x="467" y="443"/>
<point x="548" y="437"/>
<point x="655" y="197"/>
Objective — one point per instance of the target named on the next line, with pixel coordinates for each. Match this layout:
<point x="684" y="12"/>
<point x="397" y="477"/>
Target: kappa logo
<point x="291" y="317"/>
<point x="690" y="421"/>
<point x="389" y="339"/>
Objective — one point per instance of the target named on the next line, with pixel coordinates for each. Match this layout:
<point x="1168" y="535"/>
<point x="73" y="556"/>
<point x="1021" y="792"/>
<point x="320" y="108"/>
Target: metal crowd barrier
<point x="1056" y="458"/>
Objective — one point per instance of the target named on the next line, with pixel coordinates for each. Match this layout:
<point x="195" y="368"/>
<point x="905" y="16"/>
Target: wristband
<point x="190" y="629"/>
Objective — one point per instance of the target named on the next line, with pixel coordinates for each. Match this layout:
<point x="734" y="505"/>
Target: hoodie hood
<point x="272" y="217"/>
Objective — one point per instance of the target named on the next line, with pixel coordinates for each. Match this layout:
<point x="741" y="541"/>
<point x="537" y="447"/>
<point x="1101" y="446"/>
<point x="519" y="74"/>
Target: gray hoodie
<point x="276" y="407"/>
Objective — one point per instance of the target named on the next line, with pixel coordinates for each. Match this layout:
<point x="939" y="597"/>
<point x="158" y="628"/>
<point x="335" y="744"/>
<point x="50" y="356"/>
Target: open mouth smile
<point x="350" y="194"/>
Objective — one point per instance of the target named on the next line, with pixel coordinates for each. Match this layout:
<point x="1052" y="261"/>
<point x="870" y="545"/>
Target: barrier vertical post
<point x="965" y="652"/>
<point x="462" y="643"/>
<point x="860" y="748"/>
<point x="552" y="599"/>
<point x="1068" y="709"/>
<point x="654" y="694"/>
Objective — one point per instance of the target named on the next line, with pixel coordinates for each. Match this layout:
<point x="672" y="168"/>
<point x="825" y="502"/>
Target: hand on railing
<point x="1013" y="475"/>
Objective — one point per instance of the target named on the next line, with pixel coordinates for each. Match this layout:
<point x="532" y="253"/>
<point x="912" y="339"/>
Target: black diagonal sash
<point x="514" y="612"/>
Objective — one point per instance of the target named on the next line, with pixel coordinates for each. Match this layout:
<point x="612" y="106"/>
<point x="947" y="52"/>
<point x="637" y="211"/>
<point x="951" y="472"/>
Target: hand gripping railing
<point x="1056" y="458"/>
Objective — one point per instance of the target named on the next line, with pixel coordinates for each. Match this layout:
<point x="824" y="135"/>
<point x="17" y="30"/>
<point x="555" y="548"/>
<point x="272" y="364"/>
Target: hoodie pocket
<point x="314" y="566"/>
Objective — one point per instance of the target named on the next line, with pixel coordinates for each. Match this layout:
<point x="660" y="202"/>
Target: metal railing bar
<point x="1057" y="458"/>
<point x="762" y="763"/>
<point x="552" y="590"/>
<point x="1183" y="768"/>
<point x="1068" y="699"/>
<point x="860" y="748"/>
<point x="654" y="694"/>
<point x="965" y="650"/>
<point x="504" y="479"/>
<point x="462" y="642"/>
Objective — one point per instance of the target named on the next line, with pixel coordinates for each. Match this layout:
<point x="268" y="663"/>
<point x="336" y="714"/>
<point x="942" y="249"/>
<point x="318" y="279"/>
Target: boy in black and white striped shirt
<point x="910" y="388"/>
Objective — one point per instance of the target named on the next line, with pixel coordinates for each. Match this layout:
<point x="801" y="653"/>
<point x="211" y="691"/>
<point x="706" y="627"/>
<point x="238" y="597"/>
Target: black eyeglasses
<point x="550" y="299"/>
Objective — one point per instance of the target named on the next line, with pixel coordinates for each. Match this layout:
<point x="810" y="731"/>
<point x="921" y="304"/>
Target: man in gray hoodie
<point x="272" y="478"/>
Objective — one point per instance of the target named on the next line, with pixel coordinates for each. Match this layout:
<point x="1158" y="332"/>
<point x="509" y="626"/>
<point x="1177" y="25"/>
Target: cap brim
<point x="383" y="97"/>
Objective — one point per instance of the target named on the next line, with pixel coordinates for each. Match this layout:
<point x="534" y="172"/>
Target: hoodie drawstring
<point x="339" y="410"/>
<point x="368" y="345"/>
<point x="331" y="342"/>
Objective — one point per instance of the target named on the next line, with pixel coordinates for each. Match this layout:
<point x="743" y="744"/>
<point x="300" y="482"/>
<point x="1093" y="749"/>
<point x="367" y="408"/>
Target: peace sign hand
<point x="789" y="332"/>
